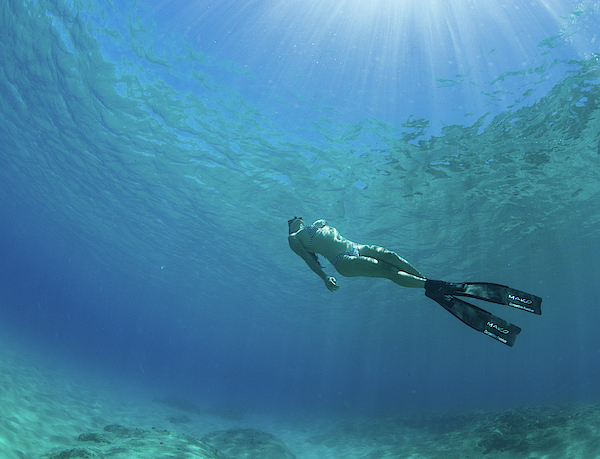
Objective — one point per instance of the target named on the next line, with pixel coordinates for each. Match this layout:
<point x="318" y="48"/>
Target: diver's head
<point x="295" y="224"/>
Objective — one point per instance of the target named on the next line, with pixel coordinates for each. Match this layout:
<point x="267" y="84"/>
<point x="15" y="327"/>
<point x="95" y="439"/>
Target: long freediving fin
<point x="476" y="318"/>
<point x="494" y="293"/>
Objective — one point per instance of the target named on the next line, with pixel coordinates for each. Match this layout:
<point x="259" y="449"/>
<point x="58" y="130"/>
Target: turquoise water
<point x="151" y="155"/>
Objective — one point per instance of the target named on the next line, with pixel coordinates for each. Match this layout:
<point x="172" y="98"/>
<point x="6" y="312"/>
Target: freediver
<point x="351" y="259"/>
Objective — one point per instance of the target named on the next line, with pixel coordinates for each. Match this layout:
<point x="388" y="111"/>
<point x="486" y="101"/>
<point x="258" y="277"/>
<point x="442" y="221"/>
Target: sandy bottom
<point x="49" y="412"/>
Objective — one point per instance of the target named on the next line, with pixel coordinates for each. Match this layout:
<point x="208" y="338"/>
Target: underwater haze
<point x="151" y="153"/>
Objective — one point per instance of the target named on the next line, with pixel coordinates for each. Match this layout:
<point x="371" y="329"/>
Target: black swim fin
<point x="445" y="294"/>
<point x="494" y="293"/>
<point x="475" y="317"/>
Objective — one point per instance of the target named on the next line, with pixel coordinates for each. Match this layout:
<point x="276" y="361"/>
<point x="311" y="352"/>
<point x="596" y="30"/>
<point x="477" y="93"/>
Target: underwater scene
<point x="160" y="297"/>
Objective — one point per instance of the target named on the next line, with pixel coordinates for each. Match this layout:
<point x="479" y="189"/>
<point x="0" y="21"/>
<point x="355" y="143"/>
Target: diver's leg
<point x="380" y="253"/>
<point x="370" y="267"/>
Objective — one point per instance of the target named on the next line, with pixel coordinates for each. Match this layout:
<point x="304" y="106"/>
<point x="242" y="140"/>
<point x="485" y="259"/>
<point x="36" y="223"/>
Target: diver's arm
<point x="298" y="248"/>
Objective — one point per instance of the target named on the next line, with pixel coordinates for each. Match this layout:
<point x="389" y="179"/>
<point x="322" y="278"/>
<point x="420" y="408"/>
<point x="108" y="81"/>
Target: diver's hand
<point x="331" y="283"/>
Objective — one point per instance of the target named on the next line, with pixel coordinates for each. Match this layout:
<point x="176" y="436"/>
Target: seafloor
<point x="50" y="412"/>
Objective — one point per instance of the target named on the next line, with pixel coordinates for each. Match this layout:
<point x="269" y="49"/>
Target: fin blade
<point x="495" y="293"/>
<point x="479" y="319"/>
<point x="502" y="294"/>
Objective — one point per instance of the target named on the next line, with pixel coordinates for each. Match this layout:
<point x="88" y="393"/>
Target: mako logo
<point x="519" y="299"/>
<point x="496" y="327"/>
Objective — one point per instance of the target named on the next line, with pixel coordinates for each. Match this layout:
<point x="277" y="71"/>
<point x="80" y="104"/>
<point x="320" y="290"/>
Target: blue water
<point x="151" y="153"/>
